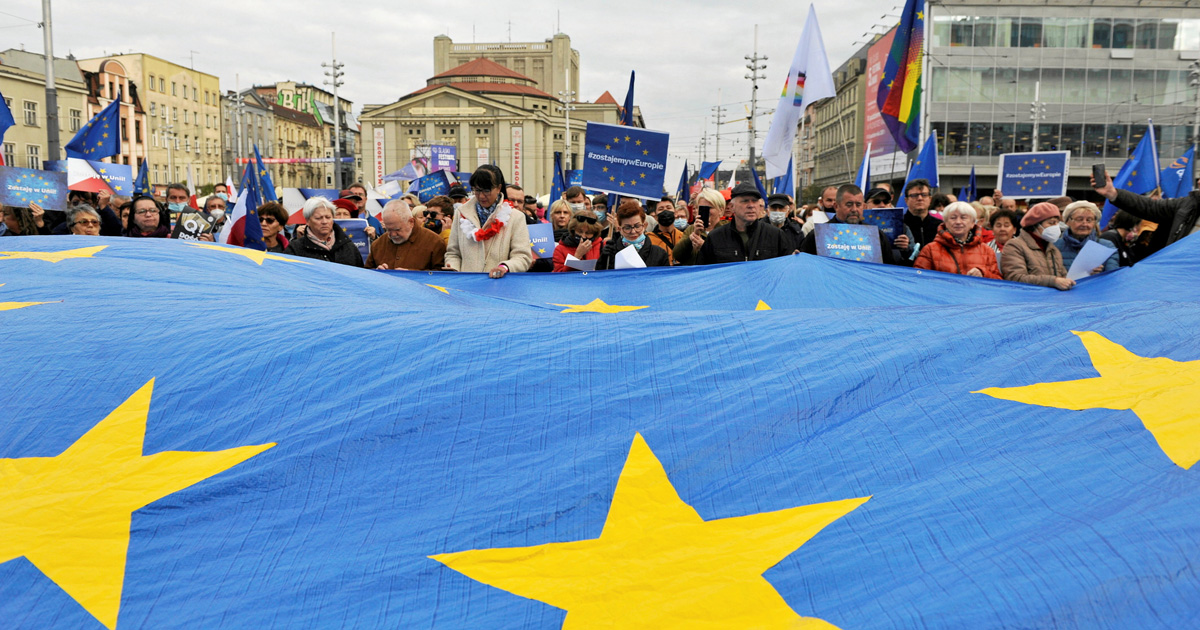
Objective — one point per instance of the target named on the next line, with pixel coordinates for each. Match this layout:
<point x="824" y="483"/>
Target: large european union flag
<point x="100" y="137"/>
<point x="1034" y="175"/>
<point x="283" y="473"/>
<point x="627" y="161"/>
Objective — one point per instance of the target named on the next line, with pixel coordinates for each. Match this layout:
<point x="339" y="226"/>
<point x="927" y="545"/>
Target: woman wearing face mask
<point x="1031" y="257"/>
<point x="1123" y="232"/>
<point x="147" y="220"/>
<point x="1080" y="219"/>
<point x="631" y="225"/>
<point x="667" y="233"/>
<point x="582" y="240"/>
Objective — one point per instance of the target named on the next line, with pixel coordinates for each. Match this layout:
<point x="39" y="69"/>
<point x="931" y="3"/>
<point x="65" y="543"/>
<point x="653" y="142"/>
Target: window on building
<point x="10" y="153"/>
<point x="206" y="97"/>
<point x="1146" y="33"/>
<point x="123" y="126"/>
<point x="33" y="156"/>
<point x="152" y="84"/>
<point x="1122" y="33"/>
<point x="187" y="143"/>
<point x="174" y="89"/>
<point x="31" y="116"/>
<point x="174" y="113"/>
<point x="196" y="94"/>
<point x="76" y="119"/>
<point x="185" y="116"/>
<point x="162" y="84"/>
<point x="137" y="131"/>
<point x="153" y="109"/>
<point x="154" y="138"/>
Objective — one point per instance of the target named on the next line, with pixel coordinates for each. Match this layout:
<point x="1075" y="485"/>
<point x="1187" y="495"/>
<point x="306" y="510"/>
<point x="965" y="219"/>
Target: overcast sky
<point x="683" y="52"/>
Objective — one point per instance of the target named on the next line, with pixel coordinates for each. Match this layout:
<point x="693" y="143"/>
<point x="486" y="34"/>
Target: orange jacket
<point x="944" y="253"/>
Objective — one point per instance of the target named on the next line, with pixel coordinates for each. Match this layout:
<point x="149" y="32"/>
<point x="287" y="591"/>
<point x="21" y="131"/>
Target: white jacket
<point x="511" y="246"/>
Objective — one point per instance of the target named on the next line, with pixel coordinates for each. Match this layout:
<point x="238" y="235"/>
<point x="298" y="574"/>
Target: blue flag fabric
<point x="926" y="167"/>
<point x="787" y="184"/>
<point x="6" y="121"/>
<point x="758" y="183"/>
<point x="575" y="177"/>
<point x="1139" y="174"/>
<point x="100" y="137"/>
<point x="626" y="161"/>
<point x="708" y="169"/>
<point x="862" y="178"/>
<point x="118" y="177"/>
<point x="266" y="187"/>
<point x="1179" y="178"/>
<point x="969" y="192"/>
<point x="290" y="485"/>
<point x="432" y="185"/>
<point x="558" y="183"/>
<point x="252" y="230"/>
<point x="684" y="191"/>
<point x="141" y="185"/>
<point x="627" y="110"/>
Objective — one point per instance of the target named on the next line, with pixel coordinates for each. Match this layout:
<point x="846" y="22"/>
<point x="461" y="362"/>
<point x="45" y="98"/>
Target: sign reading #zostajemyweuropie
<point x="20" y="187"/>
<point x="849" y="242"/>
<point x="626" y="161"/>
<point x="1034" y="175"/>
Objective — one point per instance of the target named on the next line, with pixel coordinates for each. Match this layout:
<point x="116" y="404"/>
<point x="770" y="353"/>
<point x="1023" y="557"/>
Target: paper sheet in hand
<point x="581" y="265"/>
<point x="1091" y="256"/>
<point x="628" y="258"/>
<point x="819" y="216"/>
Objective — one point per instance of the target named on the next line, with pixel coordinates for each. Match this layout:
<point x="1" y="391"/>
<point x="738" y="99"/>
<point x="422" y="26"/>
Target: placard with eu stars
<point x="22" y="186"/>
<point x="626" y="161"/>
<point x="1033" y="175"/>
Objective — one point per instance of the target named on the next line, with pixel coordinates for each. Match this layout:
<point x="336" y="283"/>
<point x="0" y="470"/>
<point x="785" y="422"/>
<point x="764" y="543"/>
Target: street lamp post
<point x="566" y="97"/>
<point x="334" y="73"/>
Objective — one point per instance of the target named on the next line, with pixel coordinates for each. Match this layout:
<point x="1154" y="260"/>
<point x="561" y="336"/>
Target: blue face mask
<point x="681" y="224"/>
<point x="223" y="196"/>
<point x="177" y="206"/>
<point x="636" y="243"/>
<point x="599" y="213"/>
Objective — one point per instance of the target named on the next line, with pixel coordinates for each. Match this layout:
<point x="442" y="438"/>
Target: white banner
<point x="481" y="157"/>
<point x="379" y="172"/>
<point x="516" y="152"/>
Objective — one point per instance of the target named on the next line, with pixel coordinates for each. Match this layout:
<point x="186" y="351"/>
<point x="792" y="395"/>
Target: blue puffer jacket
<point x="1070" y="246"/>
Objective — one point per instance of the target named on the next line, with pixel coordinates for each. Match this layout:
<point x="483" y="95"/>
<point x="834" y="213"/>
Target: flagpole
<point x="926" y="80"/>
<point x="53" y="150"/>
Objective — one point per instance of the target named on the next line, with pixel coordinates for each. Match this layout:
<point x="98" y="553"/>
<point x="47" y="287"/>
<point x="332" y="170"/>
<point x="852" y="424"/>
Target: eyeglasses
<point x="917" y="195"/>
<point x="588" y="220"/>
<point x="88" y="223"/>
<point x="263" y="219"/>
<point x="147" y="211"/>
<point x="632" y="228"/>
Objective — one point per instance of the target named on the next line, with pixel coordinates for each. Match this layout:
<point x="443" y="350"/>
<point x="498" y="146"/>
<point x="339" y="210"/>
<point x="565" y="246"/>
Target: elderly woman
<point x="560" y="219"/>
<point x="958" y="247"/>
<point x="583" y="239"/>
<point x="324" y="239"/>
<point x="631" y="224"/>
<point x="24" y="221"/>
<point x="707" y="201"/>
<point x="488" y="234"/>
<point x="147" y="219"/>
<point x="83" y="220"/>
<point x="272" y="217"/>
<point x="1082" y="218"/>
<point x="1031" y="257"/>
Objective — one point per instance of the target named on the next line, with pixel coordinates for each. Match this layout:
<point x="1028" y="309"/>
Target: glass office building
<point x="1100" y="70"/>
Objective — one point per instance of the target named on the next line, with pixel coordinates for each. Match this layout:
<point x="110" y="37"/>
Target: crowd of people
<point x="487" y="229"/>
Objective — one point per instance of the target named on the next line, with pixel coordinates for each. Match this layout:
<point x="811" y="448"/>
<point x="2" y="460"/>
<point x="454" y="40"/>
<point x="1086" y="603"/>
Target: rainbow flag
<point x="899" y="97"/>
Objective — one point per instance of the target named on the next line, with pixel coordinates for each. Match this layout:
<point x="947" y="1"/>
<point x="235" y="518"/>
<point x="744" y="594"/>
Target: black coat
<point x="1180" y="214"/>
<point x="924" y="230"/>
<point x="723" y="244"/>
<point x="651" y="254"/>
<point x="1125" y="253"/>
<point x="343" y="252"/>
<point x="885" y="247"/>
<point x="794" y="231"/>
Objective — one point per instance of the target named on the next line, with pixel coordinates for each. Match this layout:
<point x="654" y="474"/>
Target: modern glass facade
<point x="1101" y="73"/>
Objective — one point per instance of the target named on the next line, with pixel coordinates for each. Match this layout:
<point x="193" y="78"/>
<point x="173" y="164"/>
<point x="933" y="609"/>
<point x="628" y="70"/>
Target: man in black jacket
<point x="850" y="210"/>
<point x="1176" y="218"/>
<point x="746" y="237"/>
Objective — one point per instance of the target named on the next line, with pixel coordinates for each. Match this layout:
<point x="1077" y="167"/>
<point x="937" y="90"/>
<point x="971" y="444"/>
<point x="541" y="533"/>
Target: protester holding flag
<point x="1176" y="218"/>
<point x="918" y="195"/>
<point x="1031" y="257"/>
<point x="147" y="219"/>
<point x="631" y="225"/>
<point x="487" y="235"/>
<point x="958" y="247"/>
<point x="850" y="206"/>
<point x="272" y="217"/>
<point x="1081" y="218"/>
<point x="583" y="240"/>
<point x="324" y="239"/>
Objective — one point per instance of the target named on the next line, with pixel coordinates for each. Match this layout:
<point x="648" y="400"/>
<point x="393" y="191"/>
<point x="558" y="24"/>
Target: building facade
<point x="23" y="82"/>
<point x="317" y="102"/>
<point x="1099" y="72"/>
<point x="490" y="114"/>
<point x="183" y="116"/>
<point x="838" y="124"/>
<point x="110" y="80"/>
<point x="299" y="140"/>
<point x="256" y="129"/>
<point x="552" y="64"/>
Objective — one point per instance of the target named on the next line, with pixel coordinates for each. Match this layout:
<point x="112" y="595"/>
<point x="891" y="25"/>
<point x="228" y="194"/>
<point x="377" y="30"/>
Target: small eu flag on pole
<point x="141" y="185"/>
<point x="626" y="161"/>
<point x="266" y="187"/>
<point x="101" y="136"/>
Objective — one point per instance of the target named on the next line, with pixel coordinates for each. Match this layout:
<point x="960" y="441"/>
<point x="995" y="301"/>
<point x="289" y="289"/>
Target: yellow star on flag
<point x="626" y="138"/>
<point x="598" y="306"/>
<point x="82" y="252"/>
<point x="762" y="306"/>
<point x="608" y="146"/>
<point x="657" y="563"/>
<point x="1161" y="391"/>
<point x="70" y="514"/>
<point x="636" y="142"/>
<point x="252" y="254"/>
<point x="442" y="289"/>
<point x="604" y="169"/>
<point x="645" y="151"/>
<point x="612" y="178"/>
<point x="621" y="184"/>
<point x="617" y="140"/>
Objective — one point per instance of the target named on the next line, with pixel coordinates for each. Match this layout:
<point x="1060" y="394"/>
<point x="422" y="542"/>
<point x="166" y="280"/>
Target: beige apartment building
<point x="23" y="82"/>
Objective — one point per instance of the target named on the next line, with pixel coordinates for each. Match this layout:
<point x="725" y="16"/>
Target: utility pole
<point x="720" y="111"/>
<point x="1194" y="75"/>
<point x="170" y="129"/>
<point x="334" y="73"/>
<point x="53" y="152"/>
<point x="238" y="104"/>
<point x="755" y="68"/>
<point x="566" y="97"/>
<point x="1037" y="112"/>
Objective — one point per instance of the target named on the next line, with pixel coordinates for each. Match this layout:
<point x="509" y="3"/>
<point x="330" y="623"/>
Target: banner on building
<point x="874" y="129"/>
<point x="20" y="187"/>
<point x="379" y="166"/>
<point x="1034" y="175"/>
<point x="443" y="158"/>
<point x="517" y="133"/>
<point x="625" y="161"/>
<point x="481" y="157"/>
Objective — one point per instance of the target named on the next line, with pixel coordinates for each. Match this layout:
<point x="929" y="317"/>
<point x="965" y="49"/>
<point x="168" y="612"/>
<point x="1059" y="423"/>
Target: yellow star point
<point x="598" y="306"/>
<point x="608" y="146"/>
<point x="12" y="306"/>
<point x="1161" y="391"/>
<point x="82" y="252"/>
<point x="70" y="514"/>
<point x="762" y="306"/>
<point x="442" y="289"/>
<point x="252" y="254"/>
<point x="637" y="142"/>
<point x="626" y="138"/>
<point x="658" y="557"/>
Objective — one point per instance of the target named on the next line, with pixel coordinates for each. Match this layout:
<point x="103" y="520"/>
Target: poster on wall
<point x="517" y="133"/>
<point x="379" y="146"/>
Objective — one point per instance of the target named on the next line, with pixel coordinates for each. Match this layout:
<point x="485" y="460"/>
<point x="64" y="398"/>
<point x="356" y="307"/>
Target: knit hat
<point x="1040" y="212"/>
<point x="345" y="204"/>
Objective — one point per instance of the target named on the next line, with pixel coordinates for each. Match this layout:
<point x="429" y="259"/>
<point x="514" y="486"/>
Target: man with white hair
<point x="405" y="243"/>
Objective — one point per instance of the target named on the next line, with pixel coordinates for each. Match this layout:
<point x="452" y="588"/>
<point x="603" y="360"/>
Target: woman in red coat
<point x="957" y="248"/>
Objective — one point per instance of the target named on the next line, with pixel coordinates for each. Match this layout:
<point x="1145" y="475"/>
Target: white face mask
<point x="1051" y="234"/>
<point x="575" y="207"/>
<point x="217" y="213"/>
<point x="777" y="216"/>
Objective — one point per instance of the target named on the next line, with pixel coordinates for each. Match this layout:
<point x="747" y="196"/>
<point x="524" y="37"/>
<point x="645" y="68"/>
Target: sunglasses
<point x="430" y="214"/>
<point x="267" y="220"/>
<point x="588" y="220"/>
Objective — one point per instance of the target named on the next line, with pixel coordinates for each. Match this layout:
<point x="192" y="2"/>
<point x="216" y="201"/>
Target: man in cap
<point x="878" y="198"/>
<point x="779" y="213"/>
<point x="745" y="237"/>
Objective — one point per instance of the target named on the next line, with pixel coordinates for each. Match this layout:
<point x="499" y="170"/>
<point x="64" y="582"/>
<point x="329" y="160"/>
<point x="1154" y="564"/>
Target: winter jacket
<point x="794" y="231"/>
<point x="889" y="257"/>
<point x="423" y="251"/>
<point x="343" y="252"/>
<point x="948" y="255"/>
<point x="1180" y="214"/>
<point x="281" y="243"/>
<point x="667" y="243"/>
<point x="683" y="253"/>
<point x="1026" y="260"/>
<point x="724" y="245"/>
<point x="1069" y="247"/>
<point x="510" y="246"/>
<point x="561" y="250"/>
<point x="1125" y="253"/>
<point x="652" y="255"/>
<point x="162" y="231"/>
